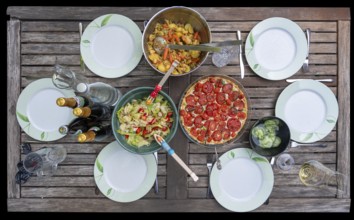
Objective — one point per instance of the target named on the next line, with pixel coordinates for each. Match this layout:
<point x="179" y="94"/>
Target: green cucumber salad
<point x="265" y="135"/>
<point x="139" y="121"/>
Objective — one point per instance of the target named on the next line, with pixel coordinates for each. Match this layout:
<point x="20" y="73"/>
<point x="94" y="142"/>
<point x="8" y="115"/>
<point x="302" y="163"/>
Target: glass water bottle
<point x="100" y="93"/>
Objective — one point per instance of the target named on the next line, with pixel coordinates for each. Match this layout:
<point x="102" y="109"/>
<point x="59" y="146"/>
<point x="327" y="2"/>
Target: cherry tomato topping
<point x="212" y="79"/>
<point x="205" y="116"/>
<point x="220" y="98"/>
<point x="234" y="124"/>
<point x="208" y="87"/>
<point x="211" y="97"/>
<point x="198" y="110"/>
<point x="227" y="88"/>
<point x="241" y="115"/>
<point x="212" y="125"/>
<point x="234" y="95"/>
<point x="217" y="136"/>
<point x="203" y="100"/>
<point x="225" y="134"/>
<point x="239" y="105"/>
<point x="190" y="100"/>
<point x="194" y="132"/>
<point x="182" y="112"/>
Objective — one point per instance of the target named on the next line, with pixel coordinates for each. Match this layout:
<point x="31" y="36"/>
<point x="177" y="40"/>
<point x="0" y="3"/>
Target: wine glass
<point x="315" y="174"/>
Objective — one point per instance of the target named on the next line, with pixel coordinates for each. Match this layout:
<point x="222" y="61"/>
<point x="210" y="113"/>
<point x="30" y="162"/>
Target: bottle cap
<point x="63" y="129"/>
<point x="81" y="138"/>
<point x="88" y="136"/>
<point x="61" y="101"/>
<point x="77" y="111"/>
<point x="81" y="87"/>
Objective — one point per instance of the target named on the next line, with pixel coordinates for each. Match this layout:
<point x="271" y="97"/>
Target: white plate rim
<point x="297" y="34"/>
<point x="263" y="193"/>
<point x="111" y="193"/>
<point x="330" y="102"/>
<point x="93" y="28"/>
<point x="21" y="109"/>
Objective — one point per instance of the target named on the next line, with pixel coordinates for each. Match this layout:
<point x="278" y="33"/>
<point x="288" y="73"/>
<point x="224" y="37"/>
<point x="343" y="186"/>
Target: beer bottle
<point x="73" y="102"/>
<point x="96" y="133"/>
<point x="77" y="126"/>
<point x="96" y="112"/>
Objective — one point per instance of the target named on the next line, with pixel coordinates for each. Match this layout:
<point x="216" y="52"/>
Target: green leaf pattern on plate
<point x="105" y="20"/>
<point x="103" y="23"/>
<point x="42" y="135"/>
<point x="251" y="39"/>
<point x="25" y="119"/>
<point x="331" y="119"/>
<point x="260" y="159"/>
<point x="256" y="66"/>
<point x="99" y="166"/>
<point x="109" y="191"/>
<point x="307" y="137"/>
<point x="232" y="154"/>
<point x="22" y="117"/>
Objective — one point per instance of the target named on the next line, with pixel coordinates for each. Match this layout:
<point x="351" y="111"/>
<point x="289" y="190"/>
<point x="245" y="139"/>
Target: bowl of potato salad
<point x="177" y="25"/>
<point x="134" y="123"/>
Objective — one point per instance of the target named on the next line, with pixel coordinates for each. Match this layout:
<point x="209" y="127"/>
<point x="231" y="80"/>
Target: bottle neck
<point x="68" y="102"/>
<point x="87" y="136"/>
<point x="83" y="112"/>
<point x="63" y="129"/>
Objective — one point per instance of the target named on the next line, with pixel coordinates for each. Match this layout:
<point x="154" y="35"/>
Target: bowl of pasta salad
<point x="134" y="123"/>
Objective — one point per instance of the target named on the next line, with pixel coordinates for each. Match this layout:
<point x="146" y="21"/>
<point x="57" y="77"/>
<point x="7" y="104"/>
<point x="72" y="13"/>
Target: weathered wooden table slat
<point x="38" y="37"/>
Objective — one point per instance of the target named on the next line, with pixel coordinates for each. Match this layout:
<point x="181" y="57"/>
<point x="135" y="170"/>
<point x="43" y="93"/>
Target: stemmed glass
<point x="315" y="174"/>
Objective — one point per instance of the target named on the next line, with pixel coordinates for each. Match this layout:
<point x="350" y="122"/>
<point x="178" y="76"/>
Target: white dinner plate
<point x="123" y="176"/>
<point x="37" y="112"/>
<point x="111" y="45"/>
<point x="245" y="181"/>
<point x="276" y="48"/>
<point x="309" y="108"/>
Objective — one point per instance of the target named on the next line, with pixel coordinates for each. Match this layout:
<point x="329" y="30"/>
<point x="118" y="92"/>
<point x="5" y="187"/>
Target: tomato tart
<point x="213" y="110"/>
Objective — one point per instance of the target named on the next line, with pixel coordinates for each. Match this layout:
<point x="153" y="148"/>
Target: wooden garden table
<point x="37" y="36"/>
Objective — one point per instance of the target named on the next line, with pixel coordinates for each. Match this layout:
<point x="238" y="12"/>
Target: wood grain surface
<point x="39" y="36"/>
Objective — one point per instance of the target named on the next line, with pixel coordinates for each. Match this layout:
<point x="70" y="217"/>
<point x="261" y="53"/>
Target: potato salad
<point x="174" y="33"/>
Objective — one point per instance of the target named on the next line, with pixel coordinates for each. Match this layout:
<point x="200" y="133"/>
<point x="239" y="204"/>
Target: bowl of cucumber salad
<point x="269" y="136"/>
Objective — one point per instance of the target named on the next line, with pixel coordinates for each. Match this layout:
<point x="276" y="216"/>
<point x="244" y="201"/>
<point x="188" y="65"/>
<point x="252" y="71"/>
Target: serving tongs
<point x="172" y="153"/>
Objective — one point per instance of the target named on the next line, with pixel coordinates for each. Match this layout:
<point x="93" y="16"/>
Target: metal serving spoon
<point x="160" y="44"/>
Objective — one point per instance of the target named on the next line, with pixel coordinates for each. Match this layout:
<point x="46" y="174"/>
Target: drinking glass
<point x="315" y="174"/>
<point x="44" y="162"/>
<point x="225" y="55"/>
<point x="285" y="162"/>
<point x="64" y="78"/>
